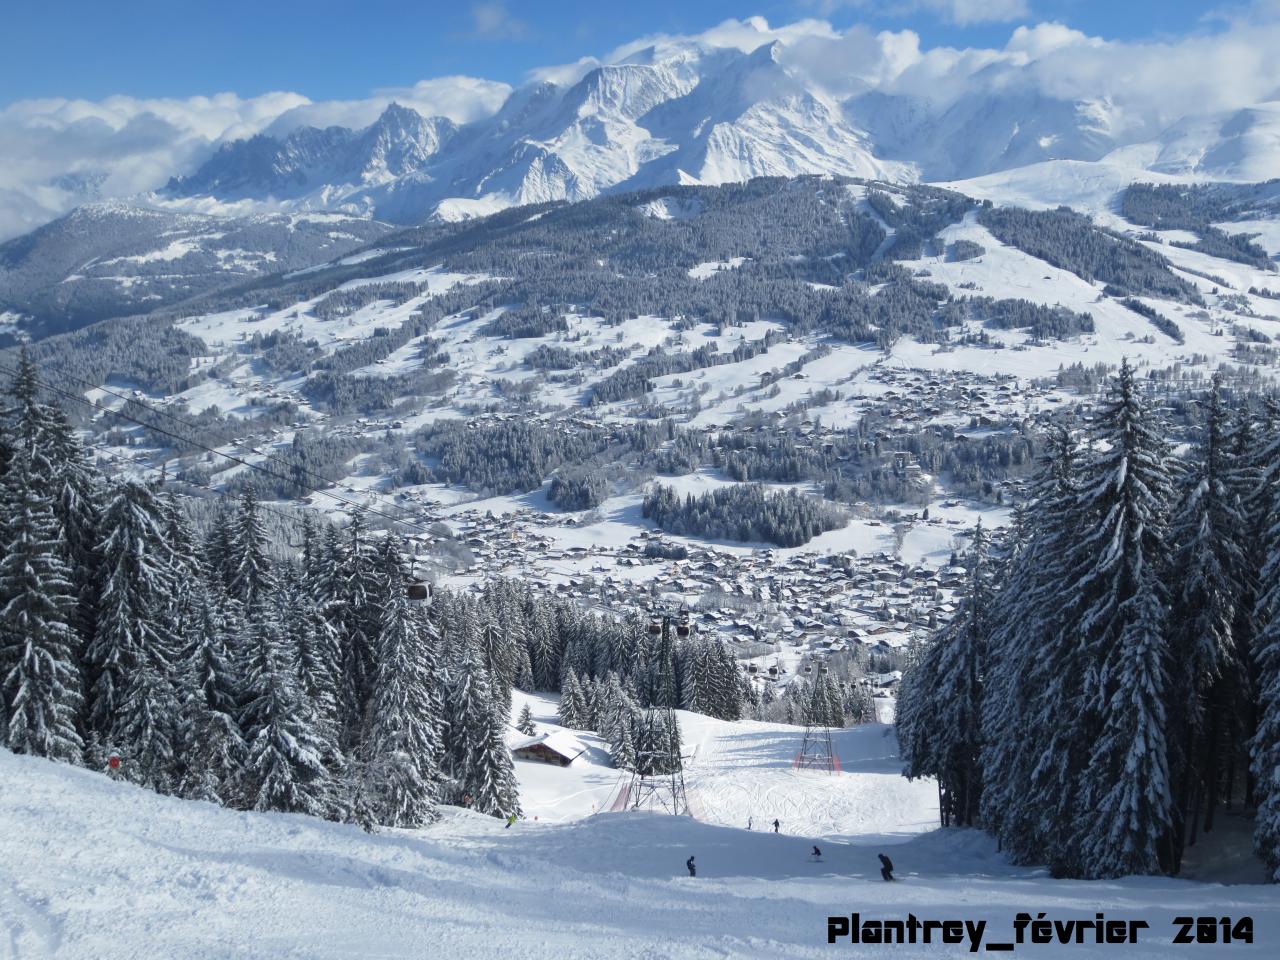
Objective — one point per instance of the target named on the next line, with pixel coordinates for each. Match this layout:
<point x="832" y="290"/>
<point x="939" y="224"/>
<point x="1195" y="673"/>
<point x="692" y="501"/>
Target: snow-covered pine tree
<point x="285" y="768"/>
<point x="213" y="745"/>
<point x="77" y="503"/>
<point x="1034" y="741"/>
<point x="544" y="649"/>
<point x="32" y="420"/>
<point x="402" y="746"/>
<point x="135" y="603"/>
<point x="1125" y="820"/>
<point x="623" y="750"/>
<point x="147" y="724"/>
<point x="358" y="591"/>
<point x="726" y="684"/>
<point x="1210" y="692"/>
<point x="40" y="678"/>
<point x="940" y="708"/>
<point x="482" y="762"/>
<point x="252" y="582"/>
<point x="499" y="659"/>
<point x="590" y="703"/>
<point x="525" y="722"/>
<point x="1265" y="745"/>
<point x="570" y="711"/>
<point x="315" y="638"/>
<point x="827" y="695"/>
<point x="217" y="546"/>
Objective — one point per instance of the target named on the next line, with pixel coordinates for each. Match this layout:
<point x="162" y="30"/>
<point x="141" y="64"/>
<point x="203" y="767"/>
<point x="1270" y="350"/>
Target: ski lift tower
<point x="658" y="780"/>
<point x="816" y="752"/>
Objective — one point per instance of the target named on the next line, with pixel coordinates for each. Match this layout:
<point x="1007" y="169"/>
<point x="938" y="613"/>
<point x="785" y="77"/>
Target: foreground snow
<point x="97" y="869"/>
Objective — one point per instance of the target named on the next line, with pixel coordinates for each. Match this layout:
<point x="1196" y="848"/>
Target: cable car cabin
<point x="556" y="748"/>
<point x="418" y="590"/>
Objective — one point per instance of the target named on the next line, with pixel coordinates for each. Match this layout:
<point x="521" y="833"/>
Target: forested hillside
<point x="1111" y="680"/>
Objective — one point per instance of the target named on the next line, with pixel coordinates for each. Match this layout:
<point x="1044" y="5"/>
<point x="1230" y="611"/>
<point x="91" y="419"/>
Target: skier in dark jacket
<point x="775" y="826"/>
<point x="886" y="867"/>
<point x="817" y="854"/>
<point x="693" y="871"/>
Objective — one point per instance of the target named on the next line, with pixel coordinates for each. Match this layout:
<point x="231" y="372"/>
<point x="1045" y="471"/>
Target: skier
<point x="748" y="823"/>
<point x="693" y="871"/>
<point x="510" y="820"/>
<point x="886" y="867"/>
<point x="817" y="854"/>
<point x="775" y="826"/>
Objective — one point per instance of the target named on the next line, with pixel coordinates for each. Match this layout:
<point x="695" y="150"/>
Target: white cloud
<point x="492" y="21"/>
<point x="965" y="12"/>
<point x="122" y="144"/>
<point x="461" y="99"/>
<point x="962" y="12"/>
<point x="125" y="145"/>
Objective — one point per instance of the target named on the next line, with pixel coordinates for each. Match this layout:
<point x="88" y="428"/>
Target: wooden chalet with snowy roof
<point x="557" y="747"/>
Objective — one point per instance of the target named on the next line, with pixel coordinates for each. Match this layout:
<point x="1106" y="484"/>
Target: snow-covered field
<point x="91" y="868"/>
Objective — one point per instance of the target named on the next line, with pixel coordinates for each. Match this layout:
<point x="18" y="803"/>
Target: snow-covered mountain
<point x="688" y="112"/>
<point x="699" y="116"/>
<point x="110" y="258"/>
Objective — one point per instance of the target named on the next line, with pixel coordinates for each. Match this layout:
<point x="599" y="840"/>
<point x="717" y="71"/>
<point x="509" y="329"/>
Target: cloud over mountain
<point x="851" y="98"/>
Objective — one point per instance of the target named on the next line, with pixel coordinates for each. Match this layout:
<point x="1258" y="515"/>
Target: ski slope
<point x="92" y="868"/>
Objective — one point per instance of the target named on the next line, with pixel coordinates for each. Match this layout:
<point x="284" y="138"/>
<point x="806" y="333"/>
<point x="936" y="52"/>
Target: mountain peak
<point x="688" y="108"/>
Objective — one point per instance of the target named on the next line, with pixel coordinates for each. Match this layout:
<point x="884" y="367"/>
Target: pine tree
<point x="543" y="647"/>
<point x="482" y="762"/>
<point x="940" y="708"/>
<point x="1210" y="693"/>
<point x="525" y="722"/>
<point x="356" y="590"/>
<point x="402" y="750"/>
<point x="251" y="581"/>
<point x="76" y="505"/>
<point x="570" y="713"/>
<point x="1265" y="745"/>
<point x="623" y="752"/>
<point x="213" y="745"/>
<point x="146" y="726"/>
<point x="285" y="769"/>
<point x="135" y="603"/>
<point x="1033" y="735"/>
<point x="1125" y="819"/>
<point x="40" y="678"/>
<point x="315" y="639"/>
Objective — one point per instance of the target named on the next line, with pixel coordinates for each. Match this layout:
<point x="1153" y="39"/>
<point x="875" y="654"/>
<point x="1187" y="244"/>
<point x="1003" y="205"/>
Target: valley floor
<point x="91" y="868"/>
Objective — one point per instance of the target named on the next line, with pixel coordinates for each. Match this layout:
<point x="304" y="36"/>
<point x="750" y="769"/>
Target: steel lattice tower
<point x="816" y="752"/>
<point x="658" y="782"/>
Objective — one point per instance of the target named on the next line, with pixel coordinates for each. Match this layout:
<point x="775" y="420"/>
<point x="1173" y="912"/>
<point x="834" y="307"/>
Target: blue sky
<point x="330" y="50"/>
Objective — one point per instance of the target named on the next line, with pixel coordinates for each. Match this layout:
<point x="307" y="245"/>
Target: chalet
<point x="558" y="748"/>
